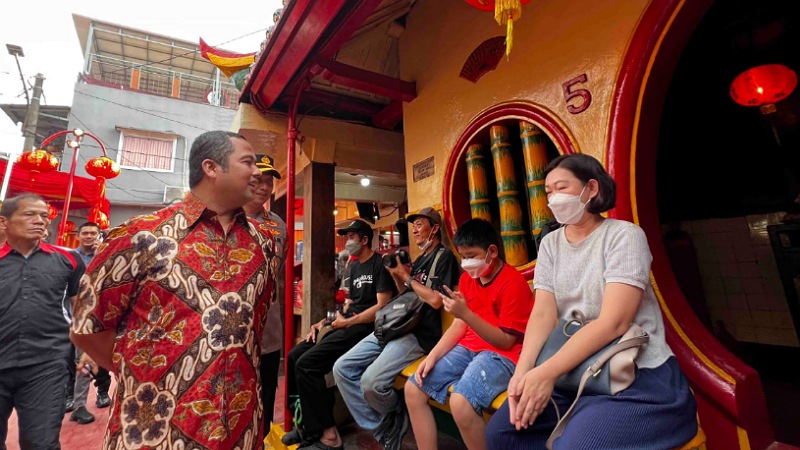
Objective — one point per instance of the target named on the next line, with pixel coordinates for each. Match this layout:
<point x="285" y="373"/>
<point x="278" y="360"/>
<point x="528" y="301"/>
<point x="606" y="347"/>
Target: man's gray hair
<point x="214" y="145"/>
<point x="11" y="205"/>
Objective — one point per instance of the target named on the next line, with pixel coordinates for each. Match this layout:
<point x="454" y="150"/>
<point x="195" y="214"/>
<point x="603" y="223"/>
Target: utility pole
<point x="32" y="116"/>
<point x="16" y="51"/>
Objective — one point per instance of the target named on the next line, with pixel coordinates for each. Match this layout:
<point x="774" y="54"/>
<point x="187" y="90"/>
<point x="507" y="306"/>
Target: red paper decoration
<point x="52" y="211"/>
<point x="69" y="227"/>
<point x="102" y="167"/>
<point x="98" y="217"/>
<point x="763" y="85"/>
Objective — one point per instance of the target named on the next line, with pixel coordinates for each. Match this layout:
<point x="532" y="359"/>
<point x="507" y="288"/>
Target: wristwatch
<point x="407" y="284"/>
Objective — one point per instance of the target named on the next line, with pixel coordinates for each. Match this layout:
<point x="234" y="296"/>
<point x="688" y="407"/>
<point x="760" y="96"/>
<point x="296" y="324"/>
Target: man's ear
<point x="209" y="168"/>
<point x="493" y="251"/>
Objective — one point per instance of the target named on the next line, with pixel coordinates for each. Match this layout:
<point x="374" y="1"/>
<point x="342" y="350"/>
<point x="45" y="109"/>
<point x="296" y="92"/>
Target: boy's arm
<point x="456" y="304"/>
<point x="449" y="339"/>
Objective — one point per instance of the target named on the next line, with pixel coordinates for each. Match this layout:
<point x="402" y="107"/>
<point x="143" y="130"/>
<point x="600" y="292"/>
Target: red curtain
<point x="86" y="192"/>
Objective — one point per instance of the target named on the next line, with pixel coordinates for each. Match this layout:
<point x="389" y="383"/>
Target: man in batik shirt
<point x="175" y="304"/>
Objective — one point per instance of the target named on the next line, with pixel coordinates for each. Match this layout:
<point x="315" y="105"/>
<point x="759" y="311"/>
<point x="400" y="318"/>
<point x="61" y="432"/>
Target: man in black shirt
<point x="35" y="277"/>
<point x="371" y="287"/>
<point x="365" y="374"/>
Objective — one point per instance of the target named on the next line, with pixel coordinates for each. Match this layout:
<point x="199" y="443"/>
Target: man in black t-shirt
<point x="35" y="279"/>
<point x="371" y="287"/>
<point x="365" y="374"/>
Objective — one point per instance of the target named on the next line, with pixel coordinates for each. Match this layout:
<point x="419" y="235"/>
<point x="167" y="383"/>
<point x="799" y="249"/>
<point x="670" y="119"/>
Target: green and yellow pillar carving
<point x="512" y="229"/>
<point x="478" y="183"/>
<point x="534" y="148"/>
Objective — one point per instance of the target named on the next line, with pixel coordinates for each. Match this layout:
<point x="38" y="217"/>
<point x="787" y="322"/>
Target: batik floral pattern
<point x="146" y="415"/>
<point x="185" y="298"/>
<point x="228" y="323"/>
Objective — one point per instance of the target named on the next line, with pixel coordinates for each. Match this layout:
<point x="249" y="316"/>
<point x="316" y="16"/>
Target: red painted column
<point x="288" y="338"/>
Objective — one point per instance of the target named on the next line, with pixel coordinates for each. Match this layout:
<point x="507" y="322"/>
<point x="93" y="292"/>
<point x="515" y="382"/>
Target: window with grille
<point x="140" y="150"/>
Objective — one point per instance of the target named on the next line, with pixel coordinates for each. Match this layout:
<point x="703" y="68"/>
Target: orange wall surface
<point x="553" y="43"/>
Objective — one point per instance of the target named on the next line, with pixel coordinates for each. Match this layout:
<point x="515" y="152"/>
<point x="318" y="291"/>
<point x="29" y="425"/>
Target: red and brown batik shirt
<point x="188" y="303"/>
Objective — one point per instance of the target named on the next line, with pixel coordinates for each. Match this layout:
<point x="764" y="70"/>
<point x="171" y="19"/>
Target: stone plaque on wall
<point x="424" y="169"/>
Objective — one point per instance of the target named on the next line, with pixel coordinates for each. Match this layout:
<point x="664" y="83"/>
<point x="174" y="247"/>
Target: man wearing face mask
<point x="481" y="347"/>
<point x="365" y="375"/>
<point x="370" y="288"/>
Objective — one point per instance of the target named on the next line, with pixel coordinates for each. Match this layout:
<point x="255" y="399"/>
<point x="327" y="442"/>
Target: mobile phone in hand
<point x="439" y="286"/>
<point x="88" y="370"/>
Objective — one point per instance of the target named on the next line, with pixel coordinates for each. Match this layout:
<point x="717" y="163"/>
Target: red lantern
<point x="763" y="85"/>
<point x="69" y="227"/>
<point x="37" y="161"/>
<point x="52" y="211"/>
<point x="102" y="167"/>
<point x="505" y="13"/>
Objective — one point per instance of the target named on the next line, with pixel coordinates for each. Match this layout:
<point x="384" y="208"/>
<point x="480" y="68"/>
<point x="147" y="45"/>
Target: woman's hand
<point x="514" y="393"/>
<point x="533" y="391"/>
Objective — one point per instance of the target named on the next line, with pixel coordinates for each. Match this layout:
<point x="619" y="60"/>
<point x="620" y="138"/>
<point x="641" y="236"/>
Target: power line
<point x="108" y="147"/>
<point x="140" y="110"/>
<point x="138" y="166"/>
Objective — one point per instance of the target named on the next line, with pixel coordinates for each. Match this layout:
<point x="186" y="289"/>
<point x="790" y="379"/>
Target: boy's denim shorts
<point x="479" y="377"/>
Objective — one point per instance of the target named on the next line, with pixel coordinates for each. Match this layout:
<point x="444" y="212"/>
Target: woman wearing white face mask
<point x="600" y="267"/>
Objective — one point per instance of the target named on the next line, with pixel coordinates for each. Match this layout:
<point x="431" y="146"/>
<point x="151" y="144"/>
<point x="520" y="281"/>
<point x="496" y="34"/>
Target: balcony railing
<point x="169" y="83"/>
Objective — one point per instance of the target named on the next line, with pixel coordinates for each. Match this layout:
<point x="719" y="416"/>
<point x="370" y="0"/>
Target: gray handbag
<point x="610" y="370"/>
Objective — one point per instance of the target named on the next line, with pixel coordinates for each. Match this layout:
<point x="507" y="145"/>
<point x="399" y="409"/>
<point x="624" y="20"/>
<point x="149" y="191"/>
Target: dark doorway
<point x="723" y="179"/>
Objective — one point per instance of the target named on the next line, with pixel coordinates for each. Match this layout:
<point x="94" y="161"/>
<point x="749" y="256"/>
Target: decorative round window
<point x="496" y="173"/>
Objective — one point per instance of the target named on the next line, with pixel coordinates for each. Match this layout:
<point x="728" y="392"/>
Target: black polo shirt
<point x="33" y="290"/>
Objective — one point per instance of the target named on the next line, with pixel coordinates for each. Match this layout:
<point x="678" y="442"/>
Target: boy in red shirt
<point x="478" y="353"/>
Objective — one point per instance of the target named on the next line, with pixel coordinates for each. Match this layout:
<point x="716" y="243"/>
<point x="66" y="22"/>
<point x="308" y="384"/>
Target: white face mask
<point x="476" y="267"/>
<point x="567" y="208"/>
<point x="353" y="247"/>
<point x="428" y="241"/>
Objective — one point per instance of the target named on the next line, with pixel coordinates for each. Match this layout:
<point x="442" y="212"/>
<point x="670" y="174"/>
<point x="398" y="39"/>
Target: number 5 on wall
<point x="570" y="93"/>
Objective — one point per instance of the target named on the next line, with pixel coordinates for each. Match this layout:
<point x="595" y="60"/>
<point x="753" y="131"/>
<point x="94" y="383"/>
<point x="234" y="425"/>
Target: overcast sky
<point x="46" y="32"/>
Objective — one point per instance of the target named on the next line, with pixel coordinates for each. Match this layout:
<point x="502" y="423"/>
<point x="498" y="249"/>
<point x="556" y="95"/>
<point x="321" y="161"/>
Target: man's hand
<point x="340" y="322"/>
<point x="400" y="271"/>
<point x="455" y="303"/>
<point x="84" y="360"/>
<point x="312" y="335"/>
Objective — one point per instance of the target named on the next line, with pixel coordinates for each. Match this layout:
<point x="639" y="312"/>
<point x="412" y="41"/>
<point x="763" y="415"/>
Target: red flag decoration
<point x="227" y="62"/>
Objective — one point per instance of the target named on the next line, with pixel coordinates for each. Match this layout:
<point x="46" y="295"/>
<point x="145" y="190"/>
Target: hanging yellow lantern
<point x="505" y="13"/>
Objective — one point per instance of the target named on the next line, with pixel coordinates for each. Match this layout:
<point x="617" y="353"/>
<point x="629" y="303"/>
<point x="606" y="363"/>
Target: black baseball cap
<point x="266" y="164"/>
<point x="428" y="213"/>
<point x="358" y="226"/>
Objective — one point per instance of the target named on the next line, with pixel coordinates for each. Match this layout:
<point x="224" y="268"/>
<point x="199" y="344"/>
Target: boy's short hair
<point x="476" y="233"/>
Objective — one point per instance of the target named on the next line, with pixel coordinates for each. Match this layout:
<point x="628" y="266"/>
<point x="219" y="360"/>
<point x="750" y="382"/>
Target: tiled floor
<point x="90" y="436"/>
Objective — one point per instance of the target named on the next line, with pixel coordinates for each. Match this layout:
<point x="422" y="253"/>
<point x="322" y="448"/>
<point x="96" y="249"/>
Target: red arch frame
<point x="537" y="114"/>
<point x="731" y="403"/>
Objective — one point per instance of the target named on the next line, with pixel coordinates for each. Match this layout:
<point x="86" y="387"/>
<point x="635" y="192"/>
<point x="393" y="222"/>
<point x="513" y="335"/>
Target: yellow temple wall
<point x="553" y="42"/>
